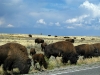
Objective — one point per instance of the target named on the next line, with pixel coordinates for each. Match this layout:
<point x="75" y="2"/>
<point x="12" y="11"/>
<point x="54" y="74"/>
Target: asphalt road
<point x="88" y="71"/>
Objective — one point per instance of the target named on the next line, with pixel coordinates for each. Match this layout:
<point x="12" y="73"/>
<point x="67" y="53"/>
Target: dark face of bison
<point x="73" y="59"/>
<point x="45" y="65"/>
<point x="24" y="67"/>
<point x="32" y="51"/>
<point x="47" y="51"/>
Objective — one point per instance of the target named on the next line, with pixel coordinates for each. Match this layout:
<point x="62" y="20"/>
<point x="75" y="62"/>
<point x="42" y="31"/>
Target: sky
<point x="50" y="17"/>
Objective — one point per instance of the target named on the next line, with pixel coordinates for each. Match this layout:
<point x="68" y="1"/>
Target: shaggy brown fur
<point x="86" y="50"/>
<point x="40" y="59"/>
<point x="64" y="49"/>
<point x="43" y="45"/>
<point x="32" y="51"/>
<point x="17" y="46"/>
<point x="13" y="55"/>
<point x="39" y="40"/>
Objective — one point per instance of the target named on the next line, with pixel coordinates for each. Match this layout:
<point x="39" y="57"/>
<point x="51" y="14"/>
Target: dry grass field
<point x="27" y="41"/>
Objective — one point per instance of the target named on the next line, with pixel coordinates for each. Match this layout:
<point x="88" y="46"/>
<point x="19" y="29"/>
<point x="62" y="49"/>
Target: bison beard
<point x="14" y="55"/>
<point x="64" y="49"/>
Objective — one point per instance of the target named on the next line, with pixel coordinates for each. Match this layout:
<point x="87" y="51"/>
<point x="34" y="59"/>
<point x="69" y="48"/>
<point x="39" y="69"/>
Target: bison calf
<point x="40" y="59"/>
<point x="32" y="51"/>
<point x="43" y="45"/>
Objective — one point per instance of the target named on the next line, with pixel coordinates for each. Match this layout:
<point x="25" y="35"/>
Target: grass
<point x="53" y="63"/>
<point x="88" y="60"/>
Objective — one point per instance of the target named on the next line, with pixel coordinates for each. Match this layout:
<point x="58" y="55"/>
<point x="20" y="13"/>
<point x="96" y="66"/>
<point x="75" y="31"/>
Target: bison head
<point x="45" y="64"/>
<point x="47" y="51"/>
<point x="73" y="59"/>
<point x="25" y="66"/>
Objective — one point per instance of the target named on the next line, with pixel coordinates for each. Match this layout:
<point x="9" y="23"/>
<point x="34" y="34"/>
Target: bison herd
<point x="15" y="55"/>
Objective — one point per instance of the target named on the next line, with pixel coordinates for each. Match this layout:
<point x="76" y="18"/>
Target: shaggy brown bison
<point x="30" y="35"/>
<point x="39" y="40"/>
<point x="86" y="50"/>
<point x="32" y="51"/>
<point x="43" y="45"/>
<point x="64" y="49"/>
<point x="70" y="40"/>
<point x="40" y="59"/>
<point x="12" y="56"/>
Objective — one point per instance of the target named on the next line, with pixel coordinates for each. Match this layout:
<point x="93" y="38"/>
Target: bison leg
<point x="40" y="63"/>
<point x="64" y="60"/>
<point x="35" y="66"/>
<point x="11" y="72"/>
<point x="85" y="56"/>
<point x="42" y="49"/>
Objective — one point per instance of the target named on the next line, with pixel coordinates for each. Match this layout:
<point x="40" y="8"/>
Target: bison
<point x="40" y="59"/>
<point x="64" y="49"/>
<point x="30" y="35"/>
<point x="86" y="50"/>
<point x="13" y="55"/>
<point x="43" y="45"/>
<point x="39" y="40"/>
<point x="32" y="51"/>
<point x="70" y="40"/>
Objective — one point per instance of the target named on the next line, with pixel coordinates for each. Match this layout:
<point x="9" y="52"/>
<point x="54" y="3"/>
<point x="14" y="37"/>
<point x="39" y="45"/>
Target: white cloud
<point x="71" y="20"/>
<point x="41" y="21"/>
<point x="77" y="19"/>
<point x="93" y="8"/>
<point x="57" y="24"/>
<point x="10" y="25"/>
